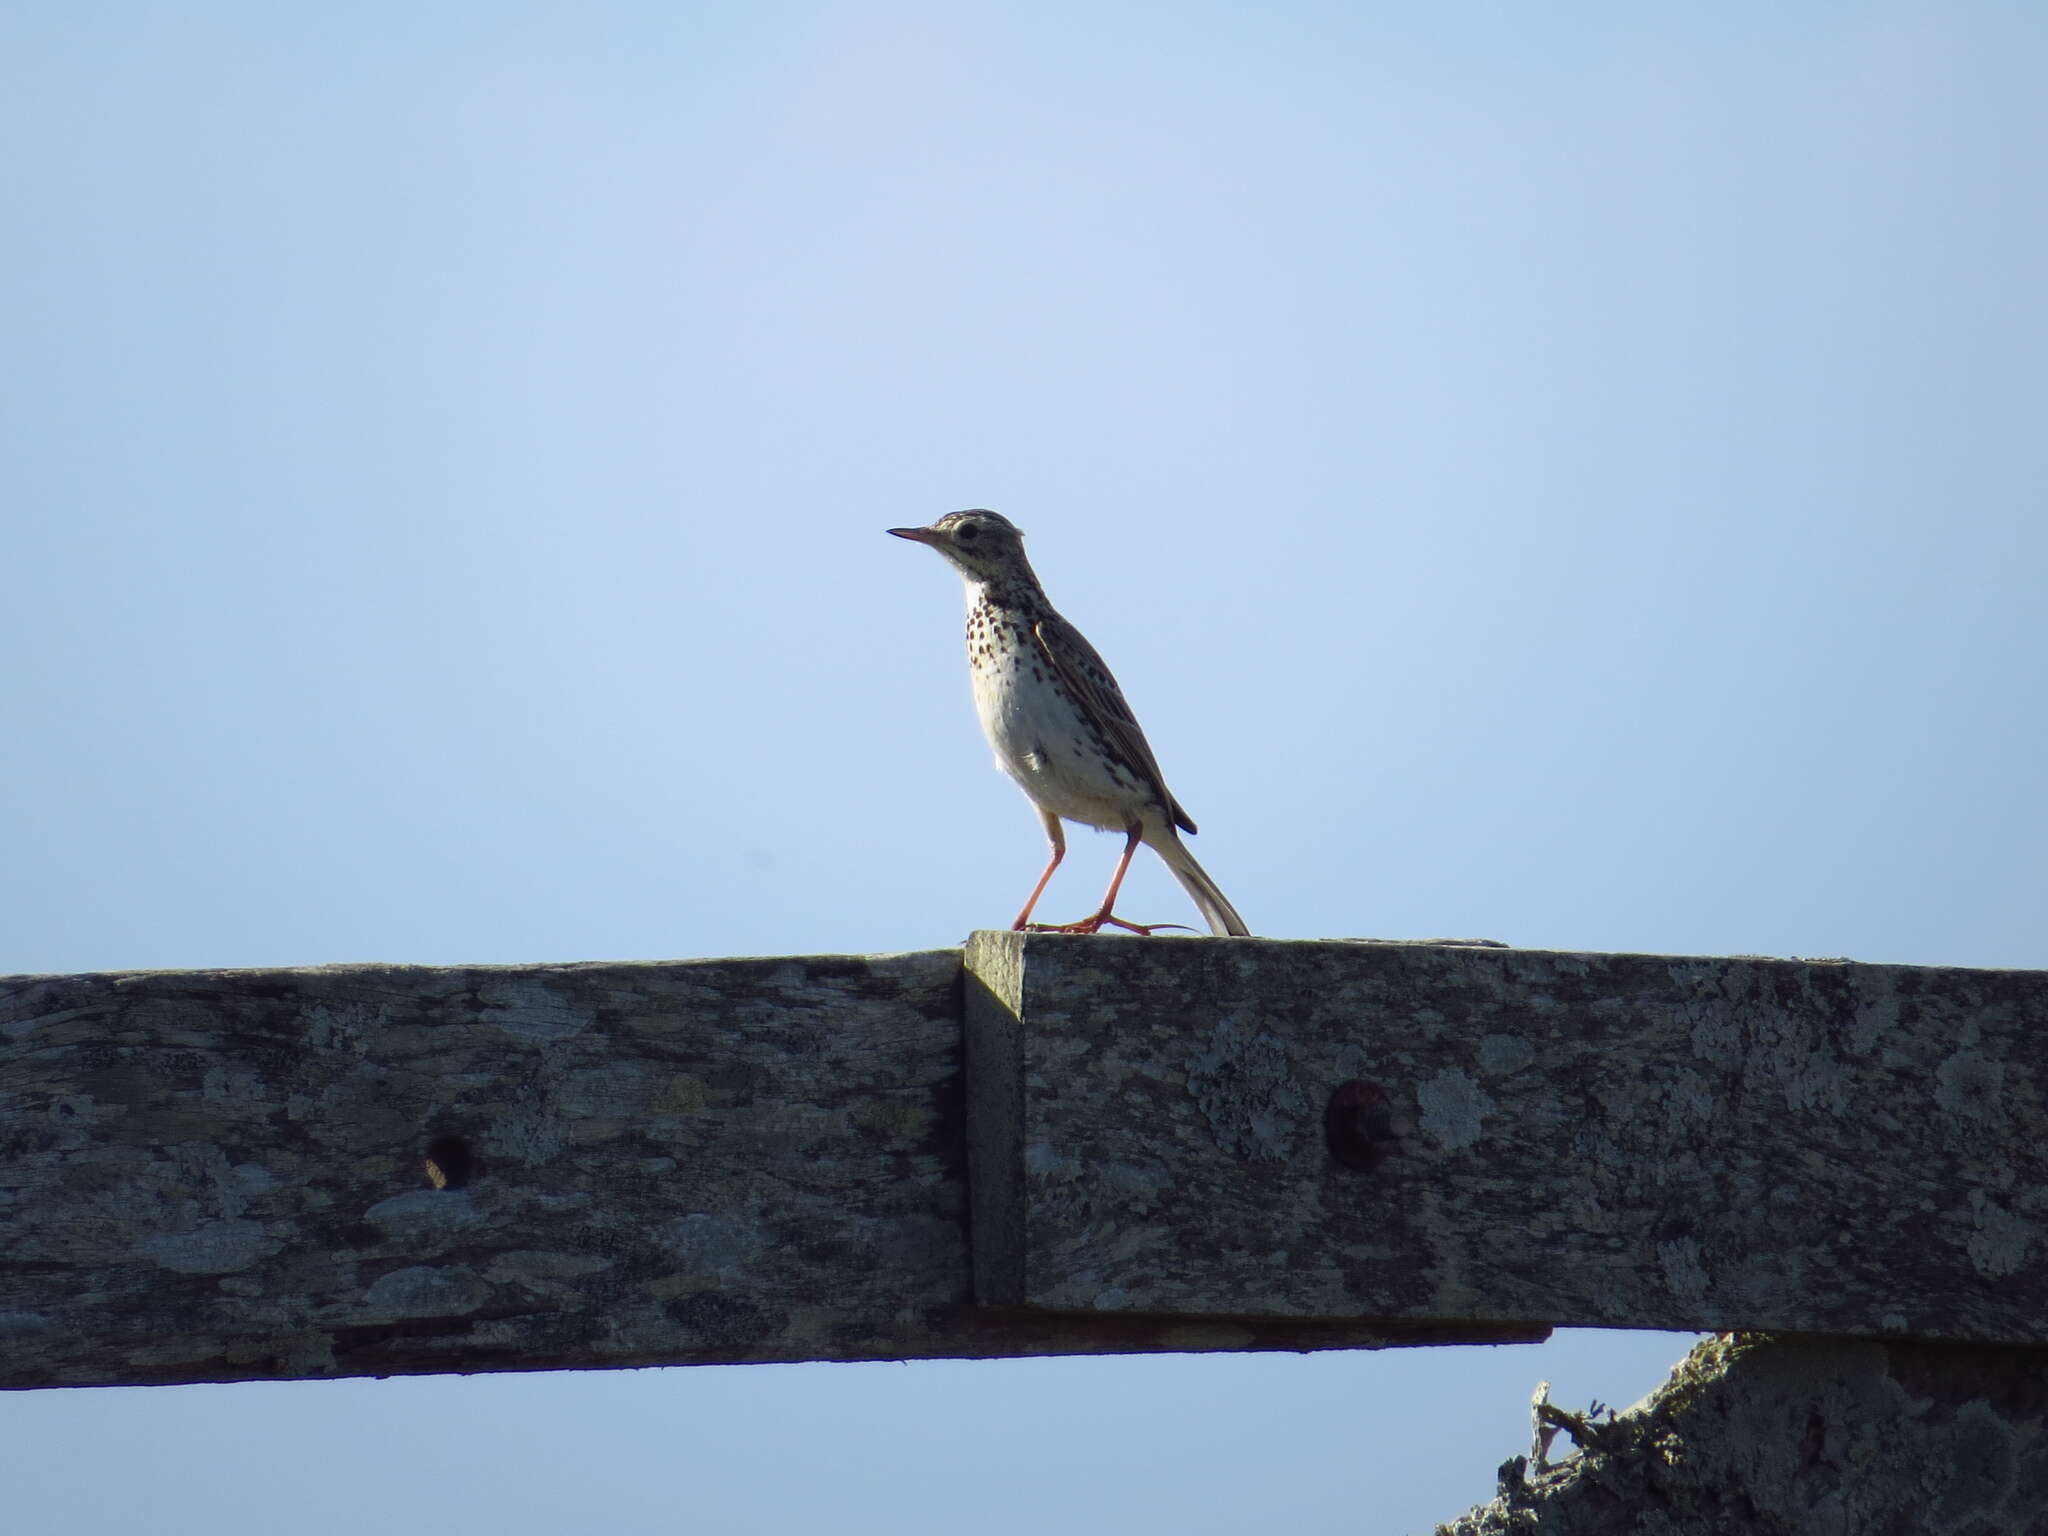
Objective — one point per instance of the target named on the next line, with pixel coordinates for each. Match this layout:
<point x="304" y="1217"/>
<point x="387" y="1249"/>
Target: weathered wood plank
<point x="1590" y="1140"/>
<point x="210" y="1176"/>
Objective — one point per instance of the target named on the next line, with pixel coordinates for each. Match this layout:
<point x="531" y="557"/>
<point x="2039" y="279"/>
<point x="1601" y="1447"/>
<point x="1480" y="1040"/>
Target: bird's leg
<point x="1095" y="924"/>
<point x="1059" y="851"/>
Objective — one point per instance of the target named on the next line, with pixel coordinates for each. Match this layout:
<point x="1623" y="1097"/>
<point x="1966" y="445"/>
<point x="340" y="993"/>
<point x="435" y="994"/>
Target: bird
<point x="1059" y="724"/>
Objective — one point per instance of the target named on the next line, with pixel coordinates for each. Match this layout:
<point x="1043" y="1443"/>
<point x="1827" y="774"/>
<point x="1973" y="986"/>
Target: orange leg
<point x="1102" y="918"/>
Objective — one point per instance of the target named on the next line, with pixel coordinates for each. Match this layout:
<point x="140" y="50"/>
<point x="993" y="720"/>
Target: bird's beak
<point x="920" y="535"/>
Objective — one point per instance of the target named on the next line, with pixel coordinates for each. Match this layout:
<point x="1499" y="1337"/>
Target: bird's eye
<point x="969" y="531"/>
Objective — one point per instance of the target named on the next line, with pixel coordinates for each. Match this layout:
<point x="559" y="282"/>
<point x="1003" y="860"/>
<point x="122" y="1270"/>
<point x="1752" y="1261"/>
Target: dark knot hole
<point x="450" y="1163"/>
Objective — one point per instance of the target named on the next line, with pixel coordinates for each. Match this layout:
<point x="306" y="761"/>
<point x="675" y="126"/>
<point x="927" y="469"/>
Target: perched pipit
<point x="1059" y="723"/>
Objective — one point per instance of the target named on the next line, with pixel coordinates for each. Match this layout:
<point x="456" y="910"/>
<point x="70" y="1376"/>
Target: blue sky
<point x="1573" y="477"/>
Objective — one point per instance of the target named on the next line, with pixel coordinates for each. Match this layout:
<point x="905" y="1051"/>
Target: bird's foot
<point x="1100" y="921"/>
<point x="1145" y="930"/>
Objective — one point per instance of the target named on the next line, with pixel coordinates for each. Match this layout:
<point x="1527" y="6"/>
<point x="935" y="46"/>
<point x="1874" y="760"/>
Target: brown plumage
<point x="1059" y="723"/>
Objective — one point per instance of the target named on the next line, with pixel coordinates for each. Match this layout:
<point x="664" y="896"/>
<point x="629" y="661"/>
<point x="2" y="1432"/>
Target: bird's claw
<point x="1100" y="921"/>
<point x="1146" y="930"/>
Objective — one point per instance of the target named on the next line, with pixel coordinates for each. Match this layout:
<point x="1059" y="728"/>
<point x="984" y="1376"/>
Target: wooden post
<point x="1790" y="1436"/>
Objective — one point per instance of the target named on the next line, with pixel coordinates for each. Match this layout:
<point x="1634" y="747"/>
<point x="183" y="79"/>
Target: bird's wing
<point x="1077" y="665"/>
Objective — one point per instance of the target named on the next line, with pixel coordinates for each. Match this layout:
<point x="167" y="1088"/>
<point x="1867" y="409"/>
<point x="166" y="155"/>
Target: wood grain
<point x="1636" y="1141"/>
<point x="219" y="1175"/>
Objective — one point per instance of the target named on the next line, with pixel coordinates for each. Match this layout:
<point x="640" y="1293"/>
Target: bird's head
<point x="984" y="546"/>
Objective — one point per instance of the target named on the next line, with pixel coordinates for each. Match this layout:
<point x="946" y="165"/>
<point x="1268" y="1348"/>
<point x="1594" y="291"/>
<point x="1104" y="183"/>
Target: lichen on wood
<point x="349" y="1170"/>
<point x="1574" y="1139"/>
<point x="1786" y="1436"/>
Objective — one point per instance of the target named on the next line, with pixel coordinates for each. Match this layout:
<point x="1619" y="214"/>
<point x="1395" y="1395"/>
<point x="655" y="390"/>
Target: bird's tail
<point x="1216" y="908"/>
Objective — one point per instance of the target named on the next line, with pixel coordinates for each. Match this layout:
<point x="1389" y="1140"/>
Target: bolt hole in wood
<point x="1360" y="1127"/>
<point x="450" y="1163"/>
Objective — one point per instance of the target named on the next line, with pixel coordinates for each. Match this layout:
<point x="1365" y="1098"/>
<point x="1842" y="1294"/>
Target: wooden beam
<point x="1176" y="1145"/>
<point x="370" y="1170"/>
<point x="1633" y="1141"/>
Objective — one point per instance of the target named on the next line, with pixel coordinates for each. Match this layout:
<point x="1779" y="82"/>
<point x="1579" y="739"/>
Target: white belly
<point x="1042" y="740"/>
